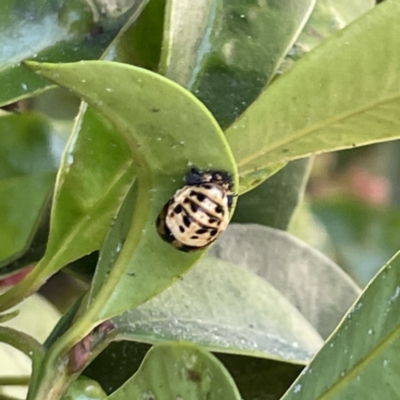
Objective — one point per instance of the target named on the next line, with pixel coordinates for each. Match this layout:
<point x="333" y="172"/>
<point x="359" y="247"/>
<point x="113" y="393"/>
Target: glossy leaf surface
<point x="132" y="99"/>
<point x="54" y="31"/>
<point x="343" y="94"/>
<point x="367" y="367"/>
<point x="224" y="308"/>
<point x="226" y="51"/>
<point x="84" y="389"/>
<point x="274" y="202"/>
<point x="174" y="370"/>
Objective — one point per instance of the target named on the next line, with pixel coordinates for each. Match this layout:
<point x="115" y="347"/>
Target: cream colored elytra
<point x="196" y="215"/>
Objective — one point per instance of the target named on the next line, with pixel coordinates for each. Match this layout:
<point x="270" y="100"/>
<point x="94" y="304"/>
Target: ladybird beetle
<point x="196" y="214"/>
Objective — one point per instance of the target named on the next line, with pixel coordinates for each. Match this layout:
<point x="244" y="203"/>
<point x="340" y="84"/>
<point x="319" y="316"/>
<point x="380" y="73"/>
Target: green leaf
<point x="55" y="31"/>
<point x="342" y="94"/>
<point x="306" y="277"/>
<point x="8" y="316"/>
<point x="94" y="175"/>
<point x="84" y="389"/>
<point x="140" y="44"/>
<point x="27" y="174"/>
<point x="235" y="312"/>
<point x="227" y="51"/>
<point x="134" y="100"/>
<point x="35" y="245"/>
<point x="179" y="370"/>
<point x="364" y="235"/>
<point x="273" y="202"/>
<point x="254" y="377"/>
<point x="150" y="125"/>
<point x="328" y="17"/>
<point x="367" y="367"/>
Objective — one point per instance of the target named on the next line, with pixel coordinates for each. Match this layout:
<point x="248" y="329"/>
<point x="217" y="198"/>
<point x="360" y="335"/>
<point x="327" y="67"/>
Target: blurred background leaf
<point x="30" y="157"/>
<point x="54" y="31"/>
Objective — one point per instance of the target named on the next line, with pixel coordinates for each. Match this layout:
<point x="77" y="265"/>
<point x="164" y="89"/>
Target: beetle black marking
<point x="196" y="214"/>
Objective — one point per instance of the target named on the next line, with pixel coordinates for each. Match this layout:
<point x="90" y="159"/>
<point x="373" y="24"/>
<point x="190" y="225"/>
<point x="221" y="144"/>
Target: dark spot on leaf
<point x="213" y="232"/>
<point x="193" y="375"/>
<point x="212" y="221"/>
<point x="96" y="30"/>
<point x="193" y="207"/>
<point x="201" y="231"/>
<point x="285" y="150"/>
<point x="155" y="110"/>
<point x="194" y="237"/>
<point x="181" y="228"/>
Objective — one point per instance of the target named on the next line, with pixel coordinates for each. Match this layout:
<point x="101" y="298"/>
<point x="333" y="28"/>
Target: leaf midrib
<point x="355" y="370"/>
<point x="318" y="126"/>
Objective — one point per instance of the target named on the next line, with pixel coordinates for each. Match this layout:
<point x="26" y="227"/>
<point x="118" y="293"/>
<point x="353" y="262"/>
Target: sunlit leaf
<point x="344" y="93"/>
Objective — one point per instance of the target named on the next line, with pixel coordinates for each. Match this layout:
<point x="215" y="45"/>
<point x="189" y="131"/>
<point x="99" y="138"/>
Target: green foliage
<point x="250" y="88"/>
<point x="346" y="370"/>
<point x="196" y="374"/>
